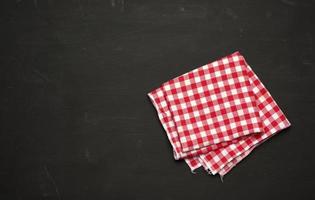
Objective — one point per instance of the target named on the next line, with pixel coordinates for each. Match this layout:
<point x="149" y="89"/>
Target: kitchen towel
<point x="215" y="115"/>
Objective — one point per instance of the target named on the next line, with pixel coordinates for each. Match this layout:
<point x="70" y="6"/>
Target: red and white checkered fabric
<point x="215" y="115"/>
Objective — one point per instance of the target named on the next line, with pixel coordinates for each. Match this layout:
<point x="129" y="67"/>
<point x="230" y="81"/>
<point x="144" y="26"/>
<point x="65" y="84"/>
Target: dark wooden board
<point x="75" y="119"/>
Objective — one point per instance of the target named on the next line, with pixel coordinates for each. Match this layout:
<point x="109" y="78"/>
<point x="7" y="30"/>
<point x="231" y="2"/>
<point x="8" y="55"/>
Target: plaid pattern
<point x="215" y="115"/>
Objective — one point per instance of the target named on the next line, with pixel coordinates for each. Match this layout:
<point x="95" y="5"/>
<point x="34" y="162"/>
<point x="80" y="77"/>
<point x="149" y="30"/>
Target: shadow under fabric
<point x="215" y="115"/>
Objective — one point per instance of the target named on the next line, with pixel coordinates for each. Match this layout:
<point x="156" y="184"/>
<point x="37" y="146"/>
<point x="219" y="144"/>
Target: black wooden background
<point x="75" y="119"/>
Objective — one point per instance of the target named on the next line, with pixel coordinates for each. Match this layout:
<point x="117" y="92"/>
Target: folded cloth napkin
<point x="215" y="115"/>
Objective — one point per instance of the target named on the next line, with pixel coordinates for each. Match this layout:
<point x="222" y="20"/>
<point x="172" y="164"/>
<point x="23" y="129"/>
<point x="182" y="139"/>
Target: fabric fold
<point x="216" y="114"/>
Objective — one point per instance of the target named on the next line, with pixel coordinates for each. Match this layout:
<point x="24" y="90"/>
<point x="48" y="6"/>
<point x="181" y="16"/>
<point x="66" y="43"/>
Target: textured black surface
<point x="75" y="119"/>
